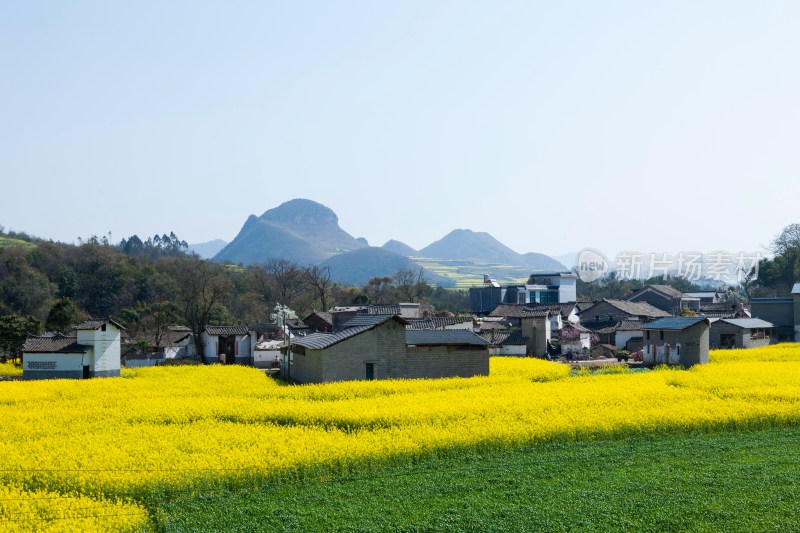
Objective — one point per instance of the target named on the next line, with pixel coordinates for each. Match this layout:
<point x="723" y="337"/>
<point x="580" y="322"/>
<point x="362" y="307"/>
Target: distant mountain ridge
<point x="299" y="230"/>
<point x="308" y="232"/>
<point x="400" y="248"/>
<point x="465" y="244"/>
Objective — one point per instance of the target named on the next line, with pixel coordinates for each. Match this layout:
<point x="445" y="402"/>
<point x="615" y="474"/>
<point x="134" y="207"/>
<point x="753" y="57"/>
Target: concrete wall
<point x="53" y="366"/>
<point x="447" y="361"/>
<point x="106" y="353"/>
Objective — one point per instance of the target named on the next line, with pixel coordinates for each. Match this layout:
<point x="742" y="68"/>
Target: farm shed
<point x="741" y="333"/>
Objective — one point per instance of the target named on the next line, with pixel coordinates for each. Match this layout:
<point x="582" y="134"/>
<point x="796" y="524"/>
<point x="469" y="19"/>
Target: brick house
<point x="608" y="312"/>
<point x="676" y="341"/>
<point x="380" y="347"/>
<point x="666" y="298"/>
<point x="533" y="324"/>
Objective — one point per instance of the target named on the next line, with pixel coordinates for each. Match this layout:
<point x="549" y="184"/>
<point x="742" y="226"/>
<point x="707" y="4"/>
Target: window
<point x="103" y="327"/>
<point x="548" y="297"/>
<point x="370" y="371"/>
<point x="662" y="335"/>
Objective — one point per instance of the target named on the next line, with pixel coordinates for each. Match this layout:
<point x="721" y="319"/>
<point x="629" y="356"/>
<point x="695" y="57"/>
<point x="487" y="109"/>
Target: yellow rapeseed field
<point x="111" y="447"/>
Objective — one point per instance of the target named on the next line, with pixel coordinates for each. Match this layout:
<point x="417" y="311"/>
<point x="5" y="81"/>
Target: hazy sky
<point x="653" y="126"/>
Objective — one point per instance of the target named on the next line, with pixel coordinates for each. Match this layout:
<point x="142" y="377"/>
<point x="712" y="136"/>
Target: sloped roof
<point x="675" y="323"/>
<point x="503" y="338"/>
<point x="96" y="324"/>
<point x="372" y="320"/>
<point x="629" y="325"/>
<point x="383" y="310"/>
<point x="582" y="306"/>
<point x="565" y="309"/>
<point x="323" y="315"/>
<point x="55" y="344"/>
<point x="632" y="308"/>
<point x="224" y="331"/>
<point x="748" y="323"/>
<point x="669" y="291"/>
<point x="320" y="341"/>
<point x="796" y="288"/>
<point x="440" y="337"/>
<point x="435" y="322"/>
<point x="519" y="311"/>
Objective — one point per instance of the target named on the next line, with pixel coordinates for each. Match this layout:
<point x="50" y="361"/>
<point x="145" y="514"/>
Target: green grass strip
<point x="729" y="481"/>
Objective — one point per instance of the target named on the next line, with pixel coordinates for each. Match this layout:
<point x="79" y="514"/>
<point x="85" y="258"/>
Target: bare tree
<point x="410" y="285"/>
<point x="378" y="290"/>
<point x="788" y="240"/>
<point x="318" y="281"/>
<point x="202" y="287"/>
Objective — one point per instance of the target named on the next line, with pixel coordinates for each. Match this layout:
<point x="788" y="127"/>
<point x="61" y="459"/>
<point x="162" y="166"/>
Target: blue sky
<point x="553" y="126"/>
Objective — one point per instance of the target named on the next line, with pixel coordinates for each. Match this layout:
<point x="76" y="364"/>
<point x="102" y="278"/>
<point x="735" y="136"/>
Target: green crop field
<point x="470" y="274"/>
<point x="728" y="481"/>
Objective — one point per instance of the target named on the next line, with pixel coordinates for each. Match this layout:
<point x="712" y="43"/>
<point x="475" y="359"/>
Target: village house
<point x="740" y="333"/>
<point x="665" y="298"/>
<point x="442" y="322"/>
<point x="380" y="347"/>
<point x="533" y="324"/>
<point x="676" y="341"/>
<point x="505" y="342"/>
<point x="541" y="288"/>
<point x="174" y="343"/>
<point x="226" y="345"/>
<point x="783" y="312"/>
<point x="319" y="322"/>
<point x="625" y="334"/>
<point x="608" y="312"/>
<point x="93" y="352"/>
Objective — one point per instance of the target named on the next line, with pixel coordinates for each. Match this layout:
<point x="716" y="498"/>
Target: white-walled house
<point x="227" y="345"/>
<point x="93" y="352"/>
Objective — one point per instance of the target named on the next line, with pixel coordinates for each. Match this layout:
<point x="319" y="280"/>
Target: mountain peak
<point x="301" y="211"/>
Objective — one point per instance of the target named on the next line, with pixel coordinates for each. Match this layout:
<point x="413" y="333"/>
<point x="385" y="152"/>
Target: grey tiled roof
<point x="56" y="344"/>
<point x="437" y="322"/>
<point x="383" y="310"/>
<point x="633" y="308"/>
<point x="325" y="316"/>
<point x="676" y="323"/>
<point x="224" y="331"/>
<point x="371" y="320"/>
<point x="629" y="325"/>
<point x="667" y="290"/>
<point x="565" y="309"/>
<point x="503" y="338"/>
<point x="439" y="337"/>
<point x="518" y="311"/>
<point x="320" y="341"/>
<point x="97" y="323"/>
